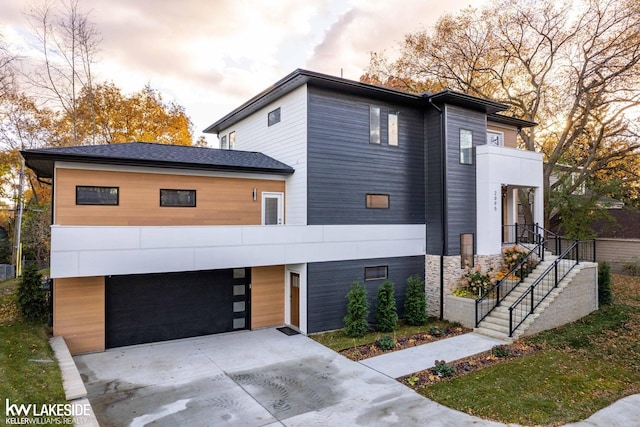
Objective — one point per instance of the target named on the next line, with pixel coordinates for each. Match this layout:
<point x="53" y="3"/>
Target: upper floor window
<point x="91" y="195"/>
<point x="374" y="125"/>
<point x="178" y="198"/>
<point x="232" y="140"/>
<point x="223" y="142"/>
<point x="377" y="201"/>
<point x="393" y="128"/>
<point x="466" y="147"/>
<point x="273" y="117"/>
<point x="495" y="138"/>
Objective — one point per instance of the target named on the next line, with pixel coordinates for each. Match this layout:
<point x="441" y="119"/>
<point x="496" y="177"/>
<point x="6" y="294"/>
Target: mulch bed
<point x="467" y="365"/>
<point x="371" y="350"/>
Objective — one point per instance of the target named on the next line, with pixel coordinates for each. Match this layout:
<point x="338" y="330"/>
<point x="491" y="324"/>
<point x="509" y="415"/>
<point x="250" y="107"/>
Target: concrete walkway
<point x="404" y="362"/>
<point x="265" y="378"/>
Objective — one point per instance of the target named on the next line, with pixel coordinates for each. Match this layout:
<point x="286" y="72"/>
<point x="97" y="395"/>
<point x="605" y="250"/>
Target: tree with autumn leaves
<point x="57" y="100"/>
<point x="571" y="66"/>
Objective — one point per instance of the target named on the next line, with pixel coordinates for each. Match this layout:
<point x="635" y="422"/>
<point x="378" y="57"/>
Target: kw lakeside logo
<point x="46" y="413"/>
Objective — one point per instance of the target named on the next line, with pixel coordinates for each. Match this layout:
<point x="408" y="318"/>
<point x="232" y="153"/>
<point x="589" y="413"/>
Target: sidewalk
<point x="404" y="362"/>
<point x="623" y="413"/>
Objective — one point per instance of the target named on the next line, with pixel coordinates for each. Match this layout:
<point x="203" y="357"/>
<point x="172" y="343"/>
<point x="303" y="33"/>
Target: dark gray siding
<point x="461" y="178"/>
<point x="343" y="166"/>
<point x="434" y="196"/>
<point x="329" y="282"/>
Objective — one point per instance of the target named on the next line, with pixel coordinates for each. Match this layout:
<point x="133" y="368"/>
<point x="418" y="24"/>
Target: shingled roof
<point x="155" y="155"/>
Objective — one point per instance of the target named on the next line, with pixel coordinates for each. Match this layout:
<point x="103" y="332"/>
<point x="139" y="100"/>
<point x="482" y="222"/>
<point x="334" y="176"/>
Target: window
<point x="377" y="201"/>
<point x="393" y="128"/>
<point x="86" y="195"/>
<point x="495" y="138"/>
<point x="466" y="147"/>
<point x="374" y="125"/>
<point x="466" y="250"/>
<point x="232" y="140"/>
<point x="273" y="117"/>
<point x="376" y="273"/>
<point x="178" y="198"/>
<point x="223" y="142"/>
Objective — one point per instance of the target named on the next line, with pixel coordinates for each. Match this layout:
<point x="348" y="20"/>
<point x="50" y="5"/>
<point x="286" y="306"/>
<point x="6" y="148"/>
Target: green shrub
<point x="386" y="311"/>
<point x="605" y="293"/>
<point x="386" y="342"/>
<point x="355" y="322"/>
<point x="443" y="369"/>
<point x="435" y="331"/>
<point x="501" y="351"/>
<point x="415" y="302"/>
<point x="32" y="299"/>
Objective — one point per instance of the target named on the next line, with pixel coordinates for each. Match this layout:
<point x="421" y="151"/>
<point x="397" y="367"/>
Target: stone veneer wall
<point x="452" y="275"/>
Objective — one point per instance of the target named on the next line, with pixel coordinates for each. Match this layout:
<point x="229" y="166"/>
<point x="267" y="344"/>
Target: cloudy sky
<point x="212" y="55"/>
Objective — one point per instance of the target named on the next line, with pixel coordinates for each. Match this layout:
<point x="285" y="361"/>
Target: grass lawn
<point x="29" y="372"/>
<point x="338" y="340"/>
<point x="581" y="368"/>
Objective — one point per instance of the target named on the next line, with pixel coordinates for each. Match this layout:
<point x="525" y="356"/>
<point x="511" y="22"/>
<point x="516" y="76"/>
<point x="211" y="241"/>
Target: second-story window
<point x="178" y="198"/>
<point x="393" y="128"/>
<point x="223" y="142"/>
<point x="273" y="117"/>
<point x="232" y="140"/>
<point x="495" y="138"/>
<point x="374" y="125"/>
<point x="466" y="147"/>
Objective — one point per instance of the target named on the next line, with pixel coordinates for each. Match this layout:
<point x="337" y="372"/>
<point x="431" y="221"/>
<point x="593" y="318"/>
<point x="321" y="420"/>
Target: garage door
<point x="159" y="307"/>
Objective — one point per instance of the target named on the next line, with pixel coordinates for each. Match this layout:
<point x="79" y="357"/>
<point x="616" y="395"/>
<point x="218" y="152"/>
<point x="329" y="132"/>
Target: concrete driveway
<point x="252" y="378"/>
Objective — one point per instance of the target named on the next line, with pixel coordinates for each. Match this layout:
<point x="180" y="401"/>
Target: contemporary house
<point x="320" y="181"/>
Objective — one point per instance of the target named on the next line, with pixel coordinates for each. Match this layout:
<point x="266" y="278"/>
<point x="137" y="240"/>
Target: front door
<point x="294" y="284"/>
<point x="272" y="212"/>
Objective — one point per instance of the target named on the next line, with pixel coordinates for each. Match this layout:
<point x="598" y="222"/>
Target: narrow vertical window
<point x="466" y="250"/>
<point x="374" y="125"/>
<point x="466" y="147"/>
<point x="232" y="140"/>
<point x="273" y="117"/>
<point x="223" y="142"/>
<point x="393" y="128"/>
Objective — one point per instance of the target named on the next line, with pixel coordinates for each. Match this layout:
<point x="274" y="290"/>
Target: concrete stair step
<point x="493" y="334"/>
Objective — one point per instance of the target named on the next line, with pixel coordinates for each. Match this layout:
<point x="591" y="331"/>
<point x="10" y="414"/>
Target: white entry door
<point x="272" y="209"/>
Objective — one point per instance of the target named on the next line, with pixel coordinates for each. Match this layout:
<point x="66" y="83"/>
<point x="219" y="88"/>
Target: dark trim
<point x="301" y="77"/>
<point x="274" y="114"/>
<point x="512" y="121"/>
<point x="46" y="171"/>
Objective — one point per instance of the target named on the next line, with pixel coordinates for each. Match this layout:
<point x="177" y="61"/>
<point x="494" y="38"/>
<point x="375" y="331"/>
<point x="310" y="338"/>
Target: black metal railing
<point x="540" y="289"/>
<point x="495" y="295"/>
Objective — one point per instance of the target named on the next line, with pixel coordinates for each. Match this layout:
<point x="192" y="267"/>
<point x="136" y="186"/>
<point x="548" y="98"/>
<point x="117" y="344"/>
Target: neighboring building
<point x="618" y="238"/>
<point x="325" y="181"/>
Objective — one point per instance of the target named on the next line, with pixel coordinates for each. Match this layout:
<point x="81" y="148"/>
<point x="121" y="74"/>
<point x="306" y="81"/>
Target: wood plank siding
<point x="343" y="166"/>
<point x="329" y="282"/>
<point x="219" y="200"/>
<point x="461" y="178"/>
<point x="78" y="313"/>
<point x="267" y="296"/>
